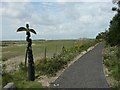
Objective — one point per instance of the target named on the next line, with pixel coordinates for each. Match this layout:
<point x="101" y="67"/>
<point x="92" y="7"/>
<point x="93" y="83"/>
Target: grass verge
<point x="19" y="78"/>
<point x="111" y="61"/>
<point x="59" y="61"/>
<point x="49" y="67"/>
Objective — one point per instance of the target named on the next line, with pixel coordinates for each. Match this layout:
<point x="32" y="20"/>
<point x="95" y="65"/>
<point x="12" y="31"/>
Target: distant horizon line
<point x="43" y="39"/>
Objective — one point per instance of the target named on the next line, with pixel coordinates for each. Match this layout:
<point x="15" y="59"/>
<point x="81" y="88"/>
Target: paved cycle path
<point x="86" y="72"/>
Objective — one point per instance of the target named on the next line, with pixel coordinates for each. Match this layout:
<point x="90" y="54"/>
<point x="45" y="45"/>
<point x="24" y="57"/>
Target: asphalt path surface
<point x="86" y="72"/>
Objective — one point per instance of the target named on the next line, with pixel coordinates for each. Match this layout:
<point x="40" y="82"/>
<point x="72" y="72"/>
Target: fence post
<point x="45" y="54"/>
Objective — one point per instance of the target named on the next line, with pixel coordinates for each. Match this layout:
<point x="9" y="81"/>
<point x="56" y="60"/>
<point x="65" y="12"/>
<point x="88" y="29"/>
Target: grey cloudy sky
<point x="55" y="20"/>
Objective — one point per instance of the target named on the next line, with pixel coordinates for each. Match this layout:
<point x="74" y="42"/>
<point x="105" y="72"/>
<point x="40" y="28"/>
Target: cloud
<point x="84" y="1"/>
<point x="57" y="1"/>
<point x="53" y="20"/>
<point x="15" y="0"/>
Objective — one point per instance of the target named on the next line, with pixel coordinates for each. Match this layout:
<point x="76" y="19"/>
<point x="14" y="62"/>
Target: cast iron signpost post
<point x="31" y="71"/>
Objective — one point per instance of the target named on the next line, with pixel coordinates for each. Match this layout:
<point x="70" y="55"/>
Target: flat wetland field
<point x="13" y="52"/>
<point x="12" y="49"/>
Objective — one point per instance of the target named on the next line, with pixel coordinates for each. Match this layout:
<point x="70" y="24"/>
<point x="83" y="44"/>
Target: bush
<point x="6" y="78"/>
<point x="59" y="61"/>
<point x="22" y="67"/>
<point x="4" y="59"/>
<point x="20" y="79"/>
<point x="112" y="61"/>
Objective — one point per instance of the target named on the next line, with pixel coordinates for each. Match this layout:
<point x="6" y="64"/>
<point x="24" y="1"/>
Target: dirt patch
<point x="13" y="63"/>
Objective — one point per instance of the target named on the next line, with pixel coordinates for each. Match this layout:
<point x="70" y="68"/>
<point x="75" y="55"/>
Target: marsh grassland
<point x="58" y="54"/>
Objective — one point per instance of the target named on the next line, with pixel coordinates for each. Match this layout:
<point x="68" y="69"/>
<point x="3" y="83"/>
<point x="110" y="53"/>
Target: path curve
<point x="86" y="72"/>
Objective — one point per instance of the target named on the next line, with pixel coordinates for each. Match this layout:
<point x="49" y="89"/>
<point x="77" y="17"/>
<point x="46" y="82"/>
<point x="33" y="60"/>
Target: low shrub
<point x="4" y="59"/>
<point x="59" y="61"/>
<point x="6" y="78"/>
<point x="20" y="79"/>
<point x="112" y="61"/>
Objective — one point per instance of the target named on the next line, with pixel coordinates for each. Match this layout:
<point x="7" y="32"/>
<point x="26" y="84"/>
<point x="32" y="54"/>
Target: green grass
<point x="13" y="50"/>
<point x="57" y="62"/>
<point x="112" y="62"/>
<point x="51" y="66"/>
<point x="21" y="83"/>
<point x="19" y="78"/>
<point x="53" y="46"/>
<point x="0" y="82"/>
<point x="28" y="84"/>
